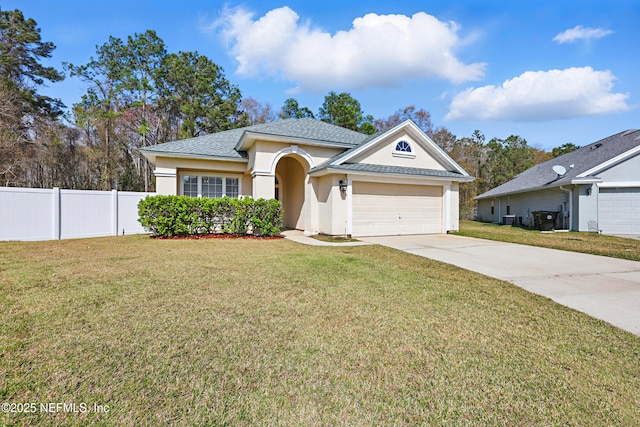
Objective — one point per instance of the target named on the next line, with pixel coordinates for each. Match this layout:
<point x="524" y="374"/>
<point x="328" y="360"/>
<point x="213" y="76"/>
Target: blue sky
<point x="551" y="72"/>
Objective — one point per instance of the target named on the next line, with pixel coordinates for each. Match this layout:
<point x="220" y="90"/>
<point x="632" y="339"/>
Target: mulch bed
<point x="219" y="236"/>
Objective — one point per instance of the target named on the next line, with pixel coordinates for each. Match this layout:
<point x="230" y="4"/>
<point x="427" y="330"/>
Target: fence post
<point x="114" y="212"/>
<point x="55" y="213"/>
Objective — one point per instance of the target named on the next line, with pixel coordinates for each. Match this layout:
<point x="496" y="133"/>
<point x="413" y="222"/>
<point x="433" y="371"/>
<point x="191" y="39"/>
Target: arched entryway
<point x="291" y="172"/>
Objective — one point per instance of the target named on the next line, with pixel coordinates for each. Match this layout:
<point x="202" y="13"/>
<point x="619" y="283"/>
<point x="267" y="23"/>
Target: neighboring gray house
<point x="595" y="188"/>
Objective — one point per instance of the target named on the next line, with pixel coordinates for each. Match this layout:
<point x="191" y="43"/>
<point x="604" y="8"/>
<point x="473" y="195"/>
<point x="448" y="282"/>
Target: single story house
<point x="595" y="188"/>
<point x="330" y="180"/>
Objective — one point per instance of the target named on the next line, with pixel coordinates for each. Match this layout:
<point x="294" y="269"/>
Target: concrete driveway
<point x="605" y="288"/>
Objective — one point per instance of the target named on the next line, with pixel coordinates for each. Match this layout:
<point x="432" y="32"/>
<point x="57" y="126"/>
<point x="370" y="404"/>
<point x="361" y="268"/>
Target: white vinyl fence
<point x="52" y="214"/>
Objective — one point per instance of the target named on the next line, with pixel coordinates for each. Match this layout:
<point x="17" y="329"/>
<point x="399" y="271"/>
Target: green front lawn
<point x="251" y="332"/>
<point x="590" y="243"/>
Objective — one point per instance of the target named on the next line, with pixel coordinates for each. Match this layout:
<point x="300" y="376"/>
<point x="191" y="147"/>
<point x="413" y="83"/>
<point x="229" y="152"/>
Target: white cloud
<point x="581" y="33"/>
<point x="378" y="50"/>
<point x="541" y="96"/>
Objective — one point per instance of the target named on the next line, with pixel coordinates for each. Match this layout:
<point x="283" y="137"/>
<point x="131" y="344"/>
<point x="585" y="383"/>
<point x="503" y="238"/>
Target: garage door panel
<point x="392" y="190"/>
<point x="619" y="210"/>
<point x="380" y="209"/>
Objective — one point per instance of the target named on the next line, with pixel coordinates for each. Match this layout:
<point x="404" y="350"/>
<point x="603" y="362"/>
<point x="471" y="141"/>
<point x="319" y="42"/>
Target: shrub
<point x="239" y="216"/>
<point x="170" y="216"/>
<point x="267" y="217"/>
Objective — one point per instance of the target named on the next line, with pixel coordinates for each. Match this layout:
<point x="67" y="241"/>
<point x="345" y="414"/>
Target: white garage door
<point x="619" y="210"/>
<point x="387" y="209"/>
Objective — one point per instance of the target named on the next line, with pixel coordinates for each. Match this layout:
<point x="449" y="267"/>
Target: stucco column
<point x="167" y="181"/>
<point x="446" y="207"/>
<point x="349" y="200"/>
<point x="263" y="186"/>
<point x="312" y="217"/>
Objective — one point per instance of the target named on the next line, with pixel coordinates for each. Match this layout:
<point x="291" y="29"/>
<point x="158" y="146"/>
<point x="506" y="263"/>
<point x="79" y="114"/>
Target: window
<point x="210" y="186"/>
<point x="232" y="187"/>
<point x="190" y="185"/>
<point x="277" y="190"/>
<point x="403" y="147"/>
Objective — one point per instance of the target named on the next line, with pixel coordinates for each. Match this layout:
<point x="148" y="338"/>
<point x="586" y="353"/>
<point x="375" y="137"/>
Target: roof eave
<point x="155" y="154"/>
<point x="510" y="193"/>
<point x="588" y="180"/>
<point x="334" y="170"/>
<point x="591" y="180"/>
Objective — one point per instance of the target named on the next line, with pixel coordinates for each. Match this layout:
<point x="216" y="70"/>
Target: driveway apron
<point x="602" y="287"/>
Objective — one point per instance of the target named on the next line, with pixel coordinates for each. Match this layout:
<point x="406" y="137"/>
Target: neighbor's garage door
<point x="387" y="209"/>
<point x="619" y="210"/>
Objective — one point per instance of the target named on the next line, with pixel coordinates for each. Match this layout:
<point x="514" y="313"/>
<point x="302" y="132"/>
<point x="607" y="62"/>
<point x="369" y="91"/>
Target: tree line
<point x="138" y="94"/>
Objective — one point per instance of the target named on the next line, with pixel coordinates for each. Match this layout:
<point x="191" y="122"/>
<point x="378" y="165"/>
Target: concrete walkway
<point x="300" y="237"/>
<point x="605" y="288"/>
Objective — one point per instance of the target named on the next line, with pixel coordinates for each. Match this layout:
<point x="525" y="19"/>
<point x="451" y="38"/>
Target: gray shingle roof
<point x="394" y="170"/>
<point x="215" y="145"/>
<point x="583" y="160"/>
<point x="310" y="129"/>
<point x="222" y="144"/>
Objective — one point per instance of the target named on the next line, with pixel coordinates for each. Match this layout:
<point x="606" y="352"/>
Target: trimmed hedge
<point x="169" y="216"/>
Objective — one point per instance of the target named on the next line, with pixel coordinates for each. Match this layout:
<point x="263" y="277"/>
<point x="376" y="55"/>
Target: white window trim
<point x="212" y="174"/>
<point x="404" y="154"/>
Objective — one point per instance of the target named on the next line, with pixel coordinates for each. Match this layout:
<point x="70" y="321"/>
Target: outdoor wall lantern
<point x="589" y="191"/>
<point x="343" y="185"/>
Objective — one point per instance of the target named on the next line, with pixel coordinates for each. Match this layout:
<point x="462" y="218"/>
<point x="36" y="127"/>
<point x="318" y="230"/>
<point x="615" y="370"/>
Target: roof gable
<point x="582" y="165"/>
<point x="400" y="149"/>
<point x="434" y="158"/>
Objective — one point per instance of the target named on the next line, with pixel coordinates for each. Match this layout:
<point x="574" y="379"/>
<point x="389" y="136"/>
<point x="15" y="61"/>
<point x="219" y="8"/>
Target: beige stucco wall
<point x="168" y="171"/>
<point x="164" y="164"/>
<point x="332" y="205"/>
<point x="166" y="185"/>
<point x="262" y="154"/>
<point x="263" y="187"/>
<point x="383" y="154"/>
<point x="247" y="185"/>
